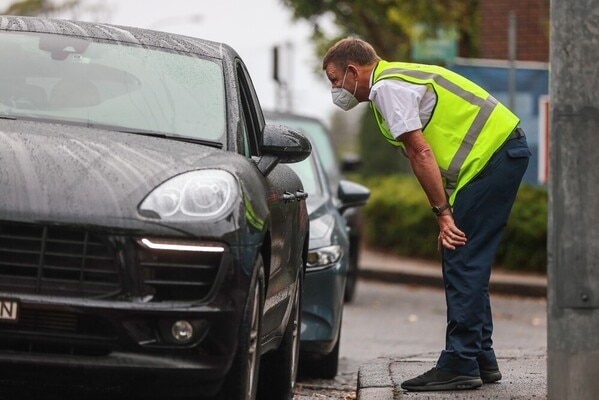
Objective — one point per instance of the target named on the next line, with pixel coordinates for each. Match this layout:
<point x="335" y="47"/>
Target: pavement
<point x="524" y="372"/>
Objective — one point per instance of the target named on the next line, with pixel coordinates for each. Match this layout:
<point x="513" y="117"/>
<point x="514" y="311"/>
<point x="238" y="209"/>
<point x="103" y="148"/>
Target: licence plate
<point x="9" y="310"/>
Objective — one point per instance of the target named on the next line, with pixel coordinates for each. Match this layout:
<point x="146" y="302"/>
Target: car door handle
<point x="301" y="195"/>
<point x="288" y="196"/>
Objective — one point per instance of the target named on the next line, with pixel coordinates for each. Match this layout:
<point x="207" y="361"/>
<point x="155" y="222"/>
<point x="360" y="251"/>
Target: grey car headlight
<point x="205" y="194"/>
<point x="323" y="257"/>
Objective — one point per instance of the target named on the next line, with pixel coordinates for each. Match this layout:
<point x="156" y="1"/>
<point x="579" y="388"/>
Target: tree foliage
<point x="39" y="7"/>
<point x="397" y="219"/>
<point x="389" y="25"/>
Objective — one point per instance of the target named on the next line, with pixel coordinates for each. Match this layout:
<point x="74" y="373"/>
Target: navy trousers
<point x="481" y="210"/>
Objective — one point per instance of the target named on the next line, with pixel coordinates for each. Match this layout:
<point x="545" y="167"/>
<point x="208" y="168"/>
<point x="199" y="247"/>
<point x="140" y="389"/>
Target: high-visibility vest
<point x="466" y="127"/>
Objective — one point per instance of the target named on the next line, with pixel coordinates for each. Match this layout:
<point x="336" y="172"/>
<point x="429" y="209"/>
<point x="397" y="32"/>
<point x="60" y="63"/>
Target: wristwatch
<point x="439" y="209"/>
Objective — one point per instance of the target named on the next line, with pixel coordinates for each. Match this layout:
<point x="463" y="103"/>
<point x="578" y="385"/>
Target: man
<point x="469" y="155"/>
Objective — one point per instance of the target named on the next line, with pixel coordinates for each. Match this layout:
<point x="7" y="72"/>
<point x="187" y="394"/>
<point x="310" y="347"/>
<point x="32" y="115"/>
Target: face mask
<point x="343" y="98"/>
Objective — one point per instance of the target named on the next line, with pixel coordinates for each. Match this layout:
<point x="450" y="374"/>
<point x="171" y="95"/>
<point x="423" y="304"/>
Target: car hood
<point x="71" y="173"/>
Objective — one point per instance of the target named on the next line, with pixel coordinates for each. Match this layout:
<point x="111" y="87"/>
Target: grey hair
<point x="350" y="50"/>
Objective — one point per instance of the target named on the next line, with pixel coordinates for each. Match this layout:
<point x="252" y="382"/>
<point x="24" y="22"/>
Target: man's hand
<point x="427" y="172"/>
<point x="449" y="235"/>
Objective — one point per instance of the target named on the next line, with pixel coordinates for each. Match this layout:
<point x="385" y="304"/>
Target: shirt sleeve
<point x="399" y="104"/>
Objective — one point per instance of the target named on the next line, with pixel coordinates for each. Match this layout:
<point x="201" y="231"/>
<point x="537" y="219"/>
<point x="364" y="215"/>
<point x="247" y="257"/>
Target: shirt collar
<point x="372" y="73"/>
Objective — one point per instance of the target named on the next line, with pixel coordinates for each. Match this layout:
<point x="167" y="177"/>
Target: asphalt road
<point x="398" y="320"/>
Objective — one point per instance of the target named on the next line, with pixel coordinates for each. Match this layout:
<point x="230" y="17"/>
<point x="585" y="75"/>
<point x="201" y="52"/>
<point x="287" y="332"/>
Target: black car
<point x="318" y="134"/>
<point x="148" y="225"/>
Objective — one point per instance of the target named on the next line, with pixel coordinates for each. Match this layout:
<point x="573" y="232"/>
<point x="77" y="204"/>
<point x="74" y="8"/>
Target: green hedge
<point x="397" y="218"/>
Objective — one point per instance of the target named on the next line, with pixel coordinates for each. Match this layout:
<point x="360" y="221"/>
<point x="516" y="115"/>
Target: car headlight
<point x="323" y="257"/>
<point x="204" y="194"/>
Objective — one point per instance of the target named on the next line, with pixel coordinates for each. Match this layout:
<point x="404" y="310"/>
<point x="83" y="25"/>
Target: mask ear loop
<point x="344" y="76"/>
<point x="343" y="82"/>
<point x="355" y="88"/>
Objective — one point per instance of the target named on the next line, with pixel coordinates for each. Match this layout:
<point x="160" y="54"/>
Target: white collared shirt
<point x="405" y="106"/>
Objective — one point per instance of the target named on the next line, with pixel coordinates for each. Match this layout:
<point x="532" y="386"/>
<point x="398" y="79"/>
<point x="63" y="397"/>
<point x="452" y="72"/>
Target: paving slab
<point x="524" y="372"/>
<point x="524" y="377"/>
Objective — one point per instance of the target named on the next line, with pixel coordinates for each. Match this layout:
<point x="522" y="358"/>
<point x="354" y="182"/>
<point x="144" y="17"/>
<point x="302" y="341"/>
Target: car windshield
<point x="307" y="172"/>
<point x="111" y="85"/>
<point x="317" y="134"/>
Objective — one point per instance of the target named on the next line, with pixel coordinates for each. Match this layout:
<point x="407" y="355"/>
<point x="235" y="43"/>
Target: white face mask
<point x="343" y="98"/>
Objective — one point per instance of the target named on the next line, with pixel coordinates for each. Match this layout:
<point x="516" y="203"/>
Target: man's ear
<point x="352" y="68"/>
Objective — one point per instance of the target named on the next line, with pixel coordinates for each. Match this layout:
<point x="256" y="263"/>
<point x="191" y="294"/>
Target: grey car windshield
<point x="109" y="84"/>
<point x="318" y="136"/>
<point x="308" y="174"/>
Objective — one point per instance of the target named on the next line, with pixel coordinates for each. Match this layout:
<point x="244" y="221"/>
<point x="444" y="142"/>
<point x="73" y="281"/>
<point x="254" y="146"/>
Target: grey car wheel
<point x="322" y="366"/>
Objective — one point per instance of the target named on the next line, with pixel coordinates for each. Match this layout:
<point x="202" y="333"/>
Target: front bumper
<point x="129" y="345"/>
<point x="322" y="308"/>
<point x="100" y="308"/>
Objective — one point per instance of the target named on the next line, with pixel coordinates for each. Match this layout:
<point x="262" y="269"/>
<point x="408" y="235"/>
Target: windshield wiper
<point x="7" y="117"/>
<point x="187" y="139"/>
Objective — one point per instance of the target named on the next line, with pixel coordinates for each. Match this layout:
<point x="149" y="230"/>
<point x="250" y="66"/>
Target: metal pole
<point x="276" y="76"/>
<point x="573" y="251"/>
<point x="512" y="34"/>
<point x="290" y="65"/>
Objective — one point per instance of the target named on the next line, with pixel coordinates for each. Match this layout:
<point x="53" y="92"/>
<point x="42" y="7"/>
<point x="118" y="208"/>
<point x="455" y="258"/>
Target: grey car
<point x="318" y="134"/>
<point x="327" y="266"/>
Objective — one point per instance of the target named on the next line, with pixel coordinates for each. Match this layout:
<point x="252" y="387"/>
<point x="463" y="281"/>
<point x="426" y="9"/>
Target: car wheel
<point x="322" y="366"/>
<point x="278" y="373"/>
<point x="242" y="380"/>
<point x="352" y="273"/>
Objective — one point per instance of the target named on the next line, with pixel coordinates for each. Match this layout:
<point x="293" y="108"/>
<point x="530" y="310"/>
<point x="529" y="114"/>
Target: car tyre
<point x="242" y="380"/>
<point x="278" y="373"/>
<point x="322" y="366"/>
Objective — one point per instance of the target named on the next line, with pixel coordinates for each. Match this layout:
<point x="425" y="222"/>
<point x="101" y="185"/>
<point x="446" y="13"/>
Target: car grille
<point x="179" y="276"/>
<point x="48" y="260"/>
<point x="70" y="262"/>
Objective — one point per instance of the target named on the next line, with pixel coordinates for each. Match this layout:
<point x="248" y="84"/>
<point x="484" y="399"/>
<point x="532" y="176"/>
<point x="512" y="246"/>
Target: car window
<point x="317" y="134"/>
<point x="244" y="145"/>
<point x="109" y="84"/>
<point x="251" y="124"/>
<point x="307" y="172"/>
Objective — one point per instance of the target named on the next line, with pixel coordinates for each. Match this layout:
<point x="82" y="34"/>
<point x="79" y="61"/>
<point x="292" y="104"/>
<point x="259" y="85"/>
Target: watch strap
<point x="439" y="209"/>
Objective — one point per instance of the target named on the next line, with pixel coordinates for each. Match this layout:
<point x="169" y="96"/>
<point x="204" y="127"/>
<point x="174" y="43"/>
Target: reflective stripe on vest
<point x="486" y="107"/>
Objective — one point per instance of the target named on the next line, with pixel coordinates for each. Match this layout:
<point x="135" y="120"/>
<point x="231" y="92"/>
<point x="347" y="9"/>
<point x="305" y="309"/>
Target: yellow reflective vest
<point x="466" y="127"/>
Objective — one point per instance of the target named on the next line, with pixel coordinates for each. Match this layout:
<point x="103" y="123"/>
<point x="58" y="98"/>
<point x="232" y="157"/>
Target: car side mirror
<point x="282" y="144"/>
<point x="350" y="162"/>
<point x="351" y="194"/>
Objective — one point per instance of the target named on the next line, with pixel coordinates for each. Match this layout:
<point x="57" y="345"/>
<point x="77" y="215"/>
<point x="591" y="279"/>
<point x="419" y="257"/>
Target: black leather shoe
<point x="438" y="379"/>
<point x="490" y="374"/>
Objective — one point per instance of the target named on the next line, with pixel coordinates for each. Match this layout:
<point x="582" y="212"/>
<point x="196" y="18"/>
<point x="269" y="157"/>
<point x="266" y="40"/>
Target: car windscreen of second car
<point x="306" y="170"/>
<point x="317" y="134"/>
<point x="111" y="85"/>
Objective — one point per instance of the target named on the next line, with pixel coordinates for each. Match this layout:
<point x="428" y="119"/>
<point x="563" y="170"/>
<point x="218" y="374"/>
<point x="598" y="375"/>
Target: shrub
<point x="397" y="218"/>
<point x="524" y="245"/>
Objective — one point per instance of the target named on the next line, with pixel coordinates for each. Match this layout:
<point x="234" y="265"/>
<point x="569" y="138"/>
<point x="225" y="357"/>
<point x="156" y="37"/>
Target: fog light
<point x="182" y="331"/>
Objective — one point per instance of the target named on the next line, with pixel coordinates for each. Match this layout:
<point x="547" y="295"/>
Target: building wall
<point x="532" y="19"/>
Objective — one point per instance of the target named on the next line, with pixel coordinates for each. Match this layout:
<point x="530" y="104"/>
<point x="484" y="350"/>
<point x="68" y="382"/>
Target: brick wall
<point x="532" y="18"/>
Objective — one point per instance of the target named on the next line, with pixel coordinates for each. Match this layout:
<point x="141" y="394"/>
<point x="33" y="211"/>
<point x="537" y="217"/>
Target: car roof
<point x="117" y="33"/>
<point x="289" y="115"/>
<point x="327" y="154"/>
